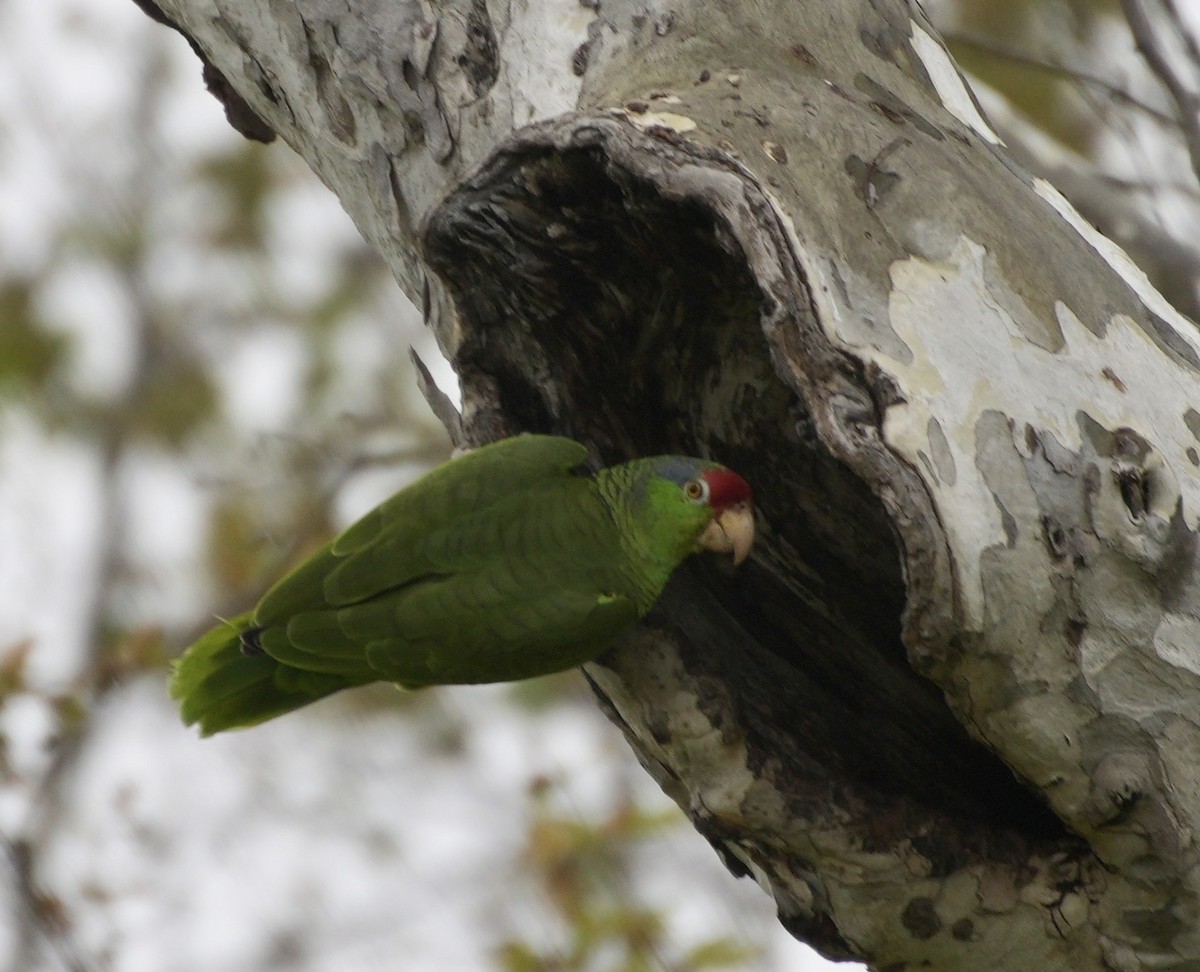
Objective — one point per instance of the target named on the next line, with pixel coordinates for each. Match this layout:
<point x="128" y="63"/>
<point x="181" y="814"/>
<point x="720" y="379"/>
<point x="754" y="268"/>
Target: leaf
<point x="246" y="178"/>
<point x="720" y="953"/>
<point x="542" y="694"/>
<point x="133" y="652"/>
<point x="177" y="397"/>
<point x="234" y="535"/>
<point x="12" y="668"/>
<point x="30" y="353"/>
<point x="519" y="957"/>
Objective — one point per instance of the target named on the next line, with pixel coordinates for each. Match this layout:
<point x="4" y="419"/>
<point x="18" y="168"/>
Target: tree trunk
<point x="942" y="714"/>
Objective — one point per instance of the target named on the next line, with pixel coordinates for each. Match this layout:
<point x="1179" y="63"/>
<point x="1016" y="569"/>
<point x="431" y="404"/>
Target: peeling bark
<point x="943" y="715"/>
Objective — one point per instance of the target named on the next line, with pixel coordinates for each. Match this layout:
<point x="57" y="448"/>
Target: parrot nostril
<point x="250" y="643"/>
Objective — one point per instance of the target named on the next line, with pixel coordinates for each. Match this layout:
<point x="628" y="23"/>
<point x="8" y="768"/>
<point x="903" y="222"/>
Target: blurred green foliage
<point x="1027" y="50"/>
<point x="30" y="352"/>
<point x="244" y="180"/>
<point x="583" y="870"/>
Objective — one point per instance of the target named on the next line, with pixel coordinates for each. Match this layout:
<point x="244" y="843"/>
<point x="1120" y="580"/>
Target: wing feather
<point x="507" y="641"/>
<point x="499" y="571"/>
<point x="414" y="533"/>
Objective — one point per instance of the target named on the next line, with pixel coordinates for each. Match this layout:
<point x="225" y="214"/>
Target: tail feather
<point x="221" y="686"/>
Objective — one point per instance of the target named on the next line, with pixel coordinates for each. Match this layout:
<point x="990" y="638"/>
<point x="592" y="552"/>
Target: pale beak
<point x="732" y="531"/>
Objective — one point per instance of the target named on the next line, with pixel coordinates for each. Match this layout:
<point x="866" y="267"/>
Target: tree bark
<point x="946" y="714"/>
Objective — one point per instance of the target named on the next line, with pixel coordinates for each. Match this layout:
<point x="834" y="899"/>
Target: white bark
<point x="782" y="234"/>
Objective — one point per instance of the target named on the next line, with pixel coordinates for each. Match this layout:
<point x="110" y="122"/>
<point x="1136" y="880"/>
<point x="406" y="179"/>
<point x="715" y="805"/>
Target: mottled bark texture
<point x="948" y="714"/>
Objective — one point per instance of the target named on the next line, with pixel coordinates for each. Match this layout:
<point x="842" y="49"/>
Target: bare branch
<point x="1190" y="46"/>
<point x="38" y="912"/>
<point x="1008" y="52"/>
<point x="1152" y="46"/>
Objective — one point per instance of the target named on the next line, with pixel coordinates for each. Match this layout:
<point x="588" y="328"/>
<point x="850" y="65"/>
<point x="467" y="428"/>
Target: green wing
<point x="491" y="640"/>
<point x="389" y="546"/>
<point x="499" y="565"/>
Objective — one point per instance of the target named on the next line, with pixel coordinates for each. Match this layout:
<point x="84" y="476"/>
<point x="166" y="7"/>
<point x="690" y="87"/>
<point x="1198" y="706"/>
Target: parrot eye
<point x="696" y="490"/>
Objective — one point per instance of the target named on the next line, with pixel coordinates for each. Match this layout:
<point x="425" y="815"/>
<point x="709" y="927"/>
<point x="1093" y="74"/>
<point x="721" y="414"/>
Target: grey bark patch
<point x="839" y="282"/>
<point x="886" y="98"/>
<point x="943" y="457"/>
<point x="1007" y="522"/>
<point x="1039" y="328"/>
<point x="1102" y="440"/>
<point x="426" y="123"/>
<point x="1191" y="418"/>
<point x="921" y="918"/>
<point x="885" y="30"/>
<point x="479" y="57"/>
<point x="1167" y="338"/>
<point x="338" y="113"/>
<point x="871" y="183"/>
<point x="883" y="43"/>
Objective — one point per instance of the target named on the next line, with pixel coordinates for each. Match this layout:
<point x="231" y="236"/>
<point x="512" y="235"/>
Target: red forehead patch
<point x="725" y="488"/>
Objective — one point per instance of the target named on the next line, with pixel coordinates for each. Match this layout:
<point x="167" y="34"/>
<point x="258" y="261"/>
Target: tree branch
<point x="1010" y="52"/>
<point x="1153" y="48"/>
<point x="237" y="112"/>
<point x="945" y="715"/>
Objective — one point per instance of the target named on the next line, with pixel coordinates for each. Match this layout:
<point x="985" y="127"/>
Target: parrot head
<point x="731" y="530"/>
<point x="711" y="504"/>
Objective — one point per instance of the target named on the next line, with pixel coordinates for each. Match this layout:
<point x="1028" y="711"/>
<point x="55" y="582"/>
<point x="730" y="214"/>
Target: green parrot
<point x="501" y="564"/>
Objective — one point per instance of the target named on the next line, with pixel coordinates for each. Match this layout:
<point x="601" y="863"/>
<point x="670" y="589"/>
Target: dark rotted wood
<point x="600" y="309"/>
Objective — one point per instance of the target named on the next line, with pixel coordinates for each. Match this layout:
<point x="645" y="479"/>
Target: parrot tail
<point x="226" y="681"/>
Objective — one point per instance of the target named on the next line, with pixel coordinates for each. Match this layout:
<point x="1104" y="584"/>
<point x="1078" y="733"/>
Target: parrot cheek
<point x="731" y="531"/>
